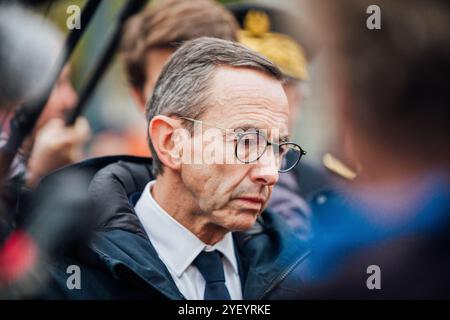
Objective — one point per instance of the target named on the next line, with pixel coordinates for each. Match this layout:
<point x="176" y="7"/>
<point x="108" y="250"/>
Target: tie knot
<point x="210" y="266"/>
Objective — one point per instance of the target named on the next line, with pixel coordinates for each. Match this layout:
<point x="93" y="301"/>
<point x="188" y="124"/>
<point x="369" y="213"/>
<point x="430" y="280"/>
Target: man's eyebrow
<point x="247" y="126"/>
<point x="253" y="126"/>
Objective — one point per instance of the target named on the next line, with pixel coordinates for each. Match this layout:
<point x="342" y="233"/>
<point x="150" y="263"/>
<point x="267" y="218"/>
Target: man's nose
<point x="265" y="170"/>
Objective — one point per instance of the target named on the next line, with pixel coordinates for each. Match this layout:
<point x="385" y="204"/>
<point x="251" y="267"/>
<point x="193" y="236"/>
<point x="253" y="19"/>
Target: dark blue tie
<point x="211" y="267"/>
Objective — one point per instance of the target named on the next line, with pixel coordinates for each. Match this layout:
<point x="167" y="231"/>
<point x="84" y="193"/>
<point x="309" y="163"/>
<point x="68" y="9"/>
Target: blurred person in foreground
<point x="173" y="227"/>
<point x="149" y="39"/>
<point x="388" y="237"/>
<point x="51" y="145"/>
<point x="27" y="64"/>
<point x="22" y="78"/>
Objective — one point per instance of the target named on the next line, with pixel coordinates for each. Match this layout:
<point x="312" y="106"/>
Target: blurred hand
<point x="55" y="146"/>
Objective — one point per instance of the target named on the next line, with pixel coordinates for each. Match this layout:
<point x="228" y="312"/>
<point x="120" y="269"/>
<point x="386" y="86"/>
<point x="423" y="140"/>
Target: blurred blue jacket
<point x="405" y="231"/>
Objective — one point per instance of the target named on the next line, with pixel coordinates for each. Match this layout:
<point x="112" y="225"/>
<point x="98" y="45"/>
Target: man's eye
<point x="283" y="149"/>
<point x="247" y="142"/>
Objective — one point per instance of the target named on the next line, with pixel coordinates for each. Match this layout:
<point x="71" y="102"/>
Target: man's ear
<point x="138" y="97"/>
<point x="163" y="135"/>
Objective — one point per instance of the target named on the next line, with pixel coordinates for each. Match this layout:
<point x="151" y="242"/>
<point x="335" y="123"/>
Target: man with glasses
<point x="192" y="222"/>
<point x="250" y="146"/>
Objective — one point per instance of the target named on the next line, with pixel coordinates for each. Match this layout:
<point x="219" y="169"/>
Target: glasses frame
<point x="239" y="136"/>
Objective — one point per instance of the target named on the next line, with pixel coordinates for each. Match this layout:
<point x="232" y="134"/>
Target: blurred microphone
<point x="61" y="219"/>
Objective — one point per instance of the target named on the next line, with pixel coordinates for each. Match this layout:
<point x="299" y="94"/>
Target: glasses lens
<point x="291" y="154"/>
<point x="250" y="147"/>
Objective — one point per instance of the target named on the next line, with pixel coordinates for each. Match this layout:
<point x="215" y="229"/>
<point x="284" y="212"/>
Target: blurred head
<point x="28" y="54"/>
<point x="62" y="100"/>
<point x="224" y="85"/>
<point x="152" y="36"/>
<point x="390" y="85"/>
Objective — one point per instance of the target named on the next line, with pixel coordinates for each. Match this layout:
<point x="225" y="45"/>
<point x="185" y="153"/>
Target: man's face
<point x="233" y="195"/>
<point x="61" y="101"/>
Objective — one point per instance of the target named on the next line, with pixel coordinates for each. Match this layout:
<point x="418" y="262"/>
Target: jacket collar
<point x="266" y="259"/>
<point x="270" y="252"/>
<point x="124" y="252"/>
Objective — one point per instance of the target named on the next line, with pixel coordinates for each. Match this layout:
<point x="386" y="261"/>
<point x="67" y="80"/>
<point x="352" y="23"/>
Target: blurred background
<point x="111" y="112"/>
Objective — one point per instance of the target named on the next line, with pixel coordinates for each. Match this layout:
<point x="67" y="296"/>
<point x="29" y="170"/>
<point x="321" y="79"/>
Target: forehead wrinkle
<point x="244" y="103"/>
<point x="261" y="115"/>
<point x="249" y="102"/>
<point x="250" y="93"/>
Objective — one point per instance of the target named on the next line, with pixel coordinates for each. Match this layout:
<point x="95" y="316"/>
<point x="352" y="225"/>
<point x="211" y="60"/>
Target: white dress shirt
<point x="177" y="247"/>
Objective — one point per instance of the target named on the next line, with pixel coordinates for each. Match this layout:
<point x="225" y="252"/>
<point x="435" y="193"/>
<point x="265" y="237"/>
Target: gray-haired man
<point x="193" y="223"/>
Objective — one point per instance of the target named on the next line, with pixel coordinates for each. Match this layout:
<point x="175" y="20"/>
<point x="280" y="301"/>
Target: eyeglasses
<point x="250" y="146"/>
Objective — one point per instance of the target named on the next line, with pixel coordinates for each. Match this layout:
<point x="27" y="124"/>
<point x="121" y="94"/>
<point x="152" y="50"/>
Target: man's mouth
<point x="251" y="202"/>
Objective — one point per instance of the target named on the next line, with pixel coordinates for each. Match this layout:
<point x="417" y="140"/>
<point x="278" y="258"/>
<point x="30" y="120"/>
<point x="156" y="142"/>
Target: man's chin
<point x="244" y="220"/>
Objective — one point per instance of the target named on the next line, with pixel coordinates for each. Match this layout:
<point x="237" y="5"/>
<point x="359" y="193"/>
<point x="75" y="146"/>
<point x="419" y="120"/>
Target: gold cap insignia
<point x="257" y="23"/>
<point x="281" y="49"/>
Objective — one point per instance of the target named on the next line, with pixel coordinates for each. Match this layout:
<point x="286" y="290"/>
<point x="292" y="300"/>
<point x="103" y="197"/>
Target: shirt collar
<point x="175" y="244"/>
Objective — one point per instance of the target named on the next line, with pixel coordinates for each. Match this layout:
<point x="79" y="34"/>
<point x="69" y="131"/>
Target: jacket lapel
<point x="120" y="248"/>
